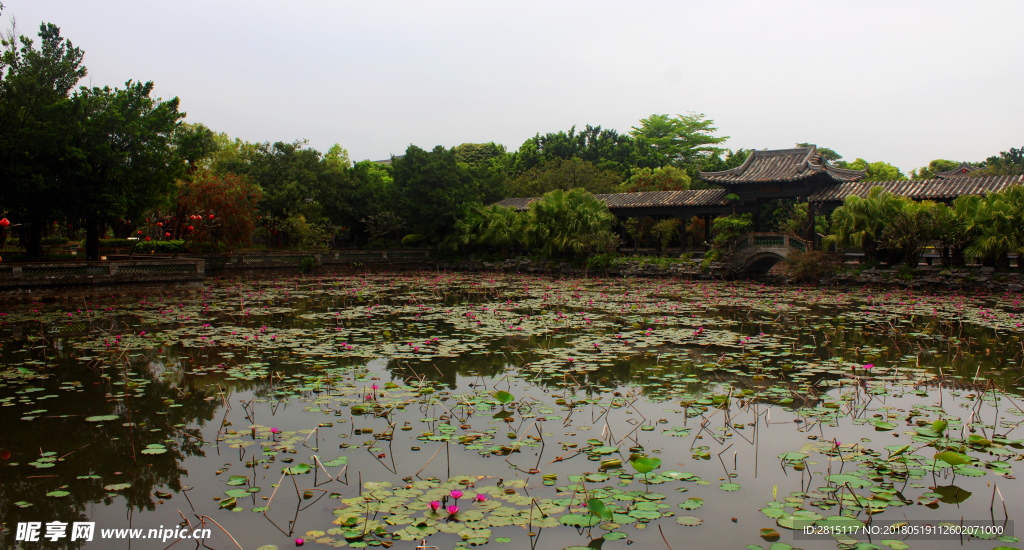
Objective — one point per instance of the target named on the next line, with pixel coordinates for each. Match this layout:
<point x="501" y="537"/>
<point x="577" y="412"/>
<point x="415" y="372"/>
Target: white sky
<point x="895" y="80"/>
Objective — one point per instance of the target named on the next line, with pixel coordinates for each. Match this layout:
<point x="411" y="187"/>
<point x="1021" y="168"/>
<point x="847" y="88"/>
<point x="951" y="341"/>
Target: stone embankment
<point x="971" y="277"/>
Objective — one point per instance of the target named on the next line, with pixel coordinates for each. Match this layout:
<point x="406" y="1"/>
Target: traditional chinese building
<point x="799" y="174"/>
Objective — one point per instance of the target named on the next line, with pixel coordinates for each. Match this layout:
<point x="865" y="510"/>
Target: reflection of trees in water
<point x="103" y="449"/>
<point x="445" y="371"/>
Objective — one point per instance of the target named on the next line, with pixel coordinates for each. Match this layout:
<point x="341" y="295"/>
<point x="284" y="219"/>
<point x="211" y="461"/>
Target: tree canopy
<point x="678" y="140"/>
<point x="564" y="174"/>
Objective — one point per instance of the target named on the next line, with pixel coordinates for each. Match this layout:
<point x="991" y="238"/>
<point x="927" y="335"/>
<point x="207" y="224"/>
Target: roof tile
<point x="781" y="165"/>
<point x="931" y="189"/>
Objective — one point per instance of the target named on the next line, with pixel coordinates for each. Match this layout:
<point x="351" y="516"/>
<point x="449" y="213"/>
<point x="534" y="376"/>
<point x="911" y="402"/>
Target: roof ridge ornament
<point x="781" y="165"/>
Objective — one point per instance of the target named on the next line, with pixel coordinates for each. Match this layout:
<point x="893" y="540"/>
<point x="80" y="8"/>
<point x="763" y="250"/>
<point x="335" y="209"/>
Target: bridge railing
<point x="774" y="240"/>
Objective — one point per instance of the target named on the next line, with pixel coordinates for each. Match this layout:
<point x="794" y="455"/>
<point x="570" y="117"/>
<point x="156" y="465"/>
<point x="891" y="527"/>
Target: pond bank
<point x="925" y="276"/>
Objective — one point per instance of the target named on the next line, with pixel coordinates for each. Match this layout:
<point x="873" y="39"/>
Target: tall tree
<point x="876" y="171"/>
<point x="35" y="111"/>
<point x="120" y="159"/>
<point x="606" y="149"/>
<point x="564" y="174"/>
<point x="668" y="178"/>
<point x="478" y="153"/>
<point x="430" y="186"/>
<point x="680" y="140"/>
<point x="1007" y="163"/>
<point x="194" y="144"/>
<point x="935" y="166"/>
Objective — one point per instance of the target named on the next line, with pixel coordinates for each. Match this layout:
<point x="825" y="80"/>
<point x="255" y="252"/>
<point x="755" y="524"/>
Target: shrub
<point x="811" y="265"/>
<point x="602" y="261"/>
<point x="162" y="247"/>
<point x="413" y="239"/>
<point x="117" y="243"/>
<point x="307" y="264"/>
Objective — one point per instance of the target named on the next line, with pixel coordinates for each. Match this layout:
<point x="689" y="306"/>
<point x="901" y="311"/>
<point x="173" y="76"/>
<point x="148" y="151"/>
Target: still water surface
<point x="687" y="414"/>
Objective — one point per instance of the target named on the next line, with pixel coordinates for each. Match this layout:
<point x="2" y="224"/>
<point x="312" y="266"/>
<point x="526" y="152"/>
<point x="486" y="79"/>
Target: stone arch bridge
<point x="756" y="253"/>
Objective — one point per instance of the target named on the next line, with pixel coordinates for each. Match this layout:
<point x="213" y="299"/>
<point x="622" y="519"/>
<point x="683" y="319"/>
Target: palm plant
<point x="996" y="226"/>
<point x="859" y="221"/>
<point x="572" y="222"/>
<point x="468" y="228"/>
<point x="502" y="227"/>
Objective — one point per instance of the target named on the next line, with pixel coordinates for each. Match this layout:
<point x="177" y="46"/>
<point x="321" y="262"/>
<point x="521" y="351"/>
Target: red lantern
<point x="4" y="223"/>
<point x="140" y="232"/>
<point x="147" y="238"/>
<point x="211" y="216"/>
<point x="168" y="235"/>
<point x="159" y="224"/>
<point x="190" y="228"/>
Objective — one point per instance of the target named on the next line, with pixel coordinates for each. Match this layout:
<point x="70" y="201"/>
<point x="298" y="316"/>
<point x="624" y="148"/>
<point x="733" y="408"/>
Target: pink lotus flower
<point x="435" y="505"/>
<point x="375" y="387"/>
<point x="456" y="494"/>
<point x="869" y="366"/>
<point x="453" y="509"/>
<point x="299" y="542"/>
<point x="480" y="497"/>
<point x="275" y="431"/>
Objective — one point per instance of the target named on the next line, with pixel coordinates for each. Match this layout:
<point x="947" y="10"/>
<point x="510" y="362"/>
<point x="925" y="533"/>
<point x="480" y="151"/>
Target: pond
<point x="453" y="410"/>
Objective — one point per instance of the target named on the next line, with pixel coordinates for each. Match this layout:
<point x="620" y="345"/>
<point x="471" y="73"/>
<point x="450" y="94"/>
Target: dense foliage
<point x="99" y="162"/>
<point x="896" y="229"/>
<point x="561" y="223"/>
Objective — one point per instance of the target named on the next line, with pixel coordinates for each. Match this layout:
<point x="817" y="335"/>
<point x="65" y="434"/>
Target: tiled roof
<point x="781" y="165"/>
<point x="646" y="199"/>
<point x="519" y="203"/>
<point x="959" y="172"/>
<point x="932" y="189"/>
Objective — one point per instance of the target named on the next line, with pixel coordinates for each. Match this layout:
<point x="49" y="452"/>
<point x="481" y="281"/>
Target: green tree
<point x="637" y="229"/>
<point x="727" y="230"/>
<point x="296" y="183"/>
<point x="668" y="178"/>
<point x="120" y="157"/>
<point x="876" y="171"/>
<point x="859" y="222"/>
<point x="935" y="166"/>
<point x="35" y="113"/>
<point x="476" y="154"/>
<point x="570" y="222"/>
<point x="195" y="144"/>
<point x="794" y="220"/>
<point x="665" y="230"/>
<point x="374" y="187"/>
<point x="1007" y="163"/>
<point x="680" y="140"/>
<point x="995" y="225"/>
<point x="913" y="227"/>
<point x="564" y="174"/>
<point x="606" y="149"/>
<point x="430" y="187"/>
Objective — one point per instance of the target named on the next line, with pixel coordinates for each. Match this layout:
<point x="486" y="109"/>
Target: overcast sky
<point x="899" y="81"/>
